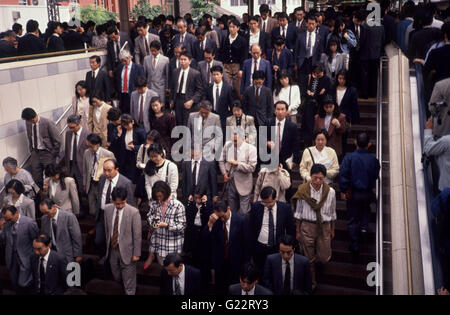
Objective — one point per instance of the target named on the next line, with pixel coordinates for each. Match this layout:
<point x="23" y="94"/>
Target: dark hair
<point x="150" y="167"/>
<point x="151" y="112"/>
<point x="445" y="29"/>
<point x="264" y="8"/>
<point x="155" y="148"/>
<point x="333" y="41"/>
<point x="327" y="99"/>
<point x="173" y="258"/>
<point x="140" y="82"/>
<point x="98" y="94"/>
<point x="119" y="192"/>
<point x="28" y="114"/>
<point x="53" y="170"/>
<point x="253" y="18"/>
<point x="141" y="24"/>
<point x="16" y="185"/>
<point x="112" y="30"/>
<point x="157" y="138"/>
<point x="94" y="138"/>
<point x="320" y="131"/>
<point x="279" y="41"/>
<point x="10" y="160"/>
<point x="317" y="68"/>
<point x="83" y="85"/>
<point x="205" y="104"/>
<point x="220" y="206"/>
<point x="282" y="15"/>
<point x="17" y="27"/>
<point x="282" y="102"/>
<point x="113" y="114"/>
<point x="249" y="272"/>
<point x="155" y="44"/>
<point x="32" y="26"/>
<point x="126" y="119"/>
<point x="278" y="86"/>
<point x="11" y="209"/>
<point x="216" y="69"/>
<point x="299" y="9"/>
<point x="97" y="59"/>
<point x="268" y="192"/>
<point x="200" y="190"/>
<point x="210" y="50"/>
<point x="311" y="17"/>
<point x="43" y="238"/>
<point x="74" y="119"/>
<point x="318" y="168"/>
<point x="346" y="75"/>
<point x="235" y="22"/>
<point x="47" y="202"/>
<point x="200" y="31"/>
<point x="362" y="139"/>
<point x="360" y="15"/>
<point x="186" y="54"/>
<point x="237" y="103"/>
<point x="259" y="74"/>
<point x="161" y="187"/>
<point x="287" y="240"/>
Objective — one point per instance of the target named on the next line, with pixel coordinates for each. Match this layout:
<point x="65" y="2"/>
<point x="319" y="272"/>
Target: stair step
<point x="323" y="289"/>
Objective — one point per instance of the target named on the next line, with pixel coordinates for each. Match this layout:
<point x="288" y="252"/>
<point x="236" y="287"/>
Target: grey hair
<point x="74" y="119"/>
<point x="10" y="162"/>
<point x="206" y="105"/>
<point x="124" y="54"/>
<point x="255" y="44"/>
<point x="9" y="33"/>
<point x="180" y="45"/>
<point x="184" y="22"/>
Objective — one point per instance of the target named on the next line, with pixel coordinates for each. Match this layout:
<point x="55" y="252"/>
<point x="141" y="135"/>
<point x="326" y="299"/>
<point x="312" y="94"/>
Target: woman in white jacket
<point x="158" y="168"/>
<point x="288" y="92"/>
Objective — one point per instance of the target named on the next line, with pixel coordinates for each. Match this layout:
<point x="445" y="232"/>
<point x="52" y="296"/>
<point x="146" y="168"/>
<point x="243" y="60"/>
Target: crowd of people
<point x="122" y="161"/>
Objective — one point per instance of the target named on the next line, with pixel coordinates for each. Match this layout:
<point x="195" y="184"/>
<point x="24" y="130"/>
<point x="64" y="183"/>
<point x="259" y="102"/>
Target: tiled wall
<point x="47" y="85"/>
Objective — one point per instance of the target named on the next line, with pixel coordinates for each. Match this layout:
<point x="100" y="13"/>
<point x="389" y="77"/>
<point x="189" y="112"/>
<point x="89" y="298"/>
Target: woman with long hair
<point x="15" y="197"/>
<point x="80" y="102"/>
<point x="286" y="91"/>
<point x="162" y="121"/>
<point x="344" y="36"/>
<point x="333" y="60"/>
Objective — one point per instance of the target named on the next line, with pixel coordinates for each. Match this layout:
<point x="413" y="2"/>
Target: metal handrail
<point x="51" y="54"/>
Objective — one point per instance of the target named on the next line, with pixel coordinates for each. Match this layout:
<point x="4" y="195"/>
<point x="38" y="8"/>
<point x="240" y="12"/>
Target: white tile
<point x="17" y="146"/>
<point x="65" y="89"/>
<point x="3" y="154"/>
<point x="47" y="94"/>
<point x="29" y="96"/>
<point x="10" y="106"/>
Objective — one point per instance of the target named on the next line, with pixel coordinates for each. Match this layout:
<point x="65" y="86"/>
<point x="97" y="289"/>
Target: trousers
<point x="123" y="273"/>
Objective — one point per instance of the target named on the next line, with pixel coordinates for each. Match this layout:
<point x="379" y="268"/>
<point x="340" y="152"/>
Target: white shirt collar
<point x="314" y="190"/>
<point x="79" y="132"/>
<point x="47" y="255"/>
<point x="115" y="179"/>
<point x="218" y="84"/>
<point x="251" y="292"/>
<point x="55" y="34"/>
<point x="56" y="215"/>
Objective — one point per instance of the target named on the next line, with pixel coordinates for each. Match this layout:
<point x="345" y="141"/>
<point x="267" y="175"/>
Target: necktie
<point x="255" y="66"/>
<point x="108" y="194"/>
<point x="271" y="241"/>
<point x="141" y="110"/>
<point x="257" y="95"/>
<point x="125" y="80"/>
<point x="154" y="62"/>
<point x="284" y="32"/>
<point x="287" y="279"/>
<point x="74" y="148"/>
<point x="93" y="165"/>
<point x="147" y="49"/>
<point x="216" y="106"/>
<point x="225" y="235"/>
<point x="117" y="51"/>
<point x="357" y="31"/>
<point x="308" y="46"/>
<point x="180" y="88"/>
<point x="194" y="175"/>
<point x="177" y="286"/>
<point x="42" y="276"/>
<point x="93" y="75"/>
<point x="14" y="235"/>
<point x="208" y="71"/>
<point x="201" y="46"/>
<point x="279" y="137"/>
<point x="182" y="38"/>
<point x="246" y="292"/>
<point x="54" y="230"/>
<point x="264" y="26"/>
<point x="35" y="136"/>
<point x="115" y="237"/>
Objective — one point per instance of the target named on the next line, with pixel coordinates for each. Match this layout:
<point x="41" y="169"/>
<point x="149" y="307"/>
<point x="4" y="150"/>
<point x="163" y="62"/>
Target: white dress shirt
<point x="186" y="73"/>
<point x="263" y="237"/>
<point x="55" y="217"/>
<point x="53" y="186"/>
<point x="214" y="93"/>
<point x="299" y="23"/>
<point x="40" y="145"/>
<point x="291" y="95"/>
<point x="251" y="292"/>
<point x="128" y="77"/>
<point x="340" y="95"/>
<point x="95" y="72"/>
<point x="156" y="60"/>
<point x="105" y="189"/>
<point x="198" y="220"/>
<point x="228" y="224"/>
<point x="282" y="122"/>
<point x="303" y="210"/>
<point x="328" y="118"/>
<point x="98" y="112"/>
<point x="232" y="39"/>
<point x="181" y="280"/>
<point x="78" y="141"/>
<point x="291" y="267"/>
<point x="120" y="221"/>
<point x="253" y="68"/>
<point x="313" y="40"/>
<point x="44" y="262"/>
<point x="285" y="30"/>
<point x="177" y="63"/>
<point x="254" y="39"/>
<point x="198" y="167"/>
<point x="128" y="139"/>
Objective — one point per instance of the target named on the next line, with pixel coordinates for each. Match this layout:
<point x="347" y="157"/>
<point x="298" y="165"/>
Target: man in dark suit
<point x="97" y="79"/>
<point x="286" y="141"/>
<point x="269" y="220"/>
<point x="300" y="21"/>
<point x="186" y="89"/>
<point x="75" y="145"/>
<point x="257" y="100"/>
<point x="48" y="268"/>
<point x="287" y="273"/>
<point x="44" y="142"/>
<point x="113" y="47"/>
<point x="184" y="37"/>
<point x="285" y="30"/>
<point x="31" y="43"/>
<point x="220" y="94"/>
<point x="110" y="179"/>
<point x="129" y="70"/>
<point x="437" y="65"/>
<point x="201" y="44"/>
<point x="7" y="48"/>
<point x="55" y="42"/>
<point x="178" y="278"/>
<point x="254" y="64"/>
<point x="226" y="236"/>
<point x="355" y="63"/>
<point x="248" y="282"/>
<point x="75" y="38"/>
<point x="256" y="36"/>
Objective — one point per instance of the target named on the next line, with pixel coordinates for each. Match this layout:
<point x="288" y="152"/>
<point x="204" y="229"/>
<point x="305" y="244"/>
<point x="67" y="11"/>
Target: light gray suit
<point x="129" y="245"/>
<point x="210" y="136"/>
<point x="19" y="265"/>
<point x="203" y="66"/>
<point x="134" y="106"/>
<point x="441" y="93"/>
<point x="66" y="199"/>
<point x="81" y="147"/>
<point x="68" y="234"/>
<point x="26" y="208"/>
<point x="247" y="123"/>
<point x="139" y="47"/>
<point x="341" y="64"/>
<point x="158" y="79"/>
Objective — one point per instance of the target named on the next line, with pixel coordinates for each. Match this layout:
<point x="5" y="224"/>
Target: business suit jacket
<point x="273" y="274"/>
<point x="236" y="289"/>
<point x="284" y="62"/>
<point x="130" y="232"/>
<point x="88" y="163"/>
<point x="437" y="62"/>
<point x="203" y="68"/>
<point x="301" y="48"/>
<point x="66" y="199"/>
<point x="81" y="147"/>
<point x="135" y="103"/>
<point x="210" y="134"/>
<point x="49" y="134"/>
<point x="26" y="208"/>
<point x="138" y="140"/>
<point x="341" y="64"/>
<point x="74" y="40"/>
<point x="207" y="178"/>
<point x="192" y="280"/>
<point x="102" y="82"/>
<point x="30" y="44"/>
<point x="158" y="79"/>
<point x="261" y="110"/>
<point x="284" y="222"/>
<point x="55" y="274"/>
<point x="271" y="23"/>
<point x="27" y="230"/>
<point x="302" y="26"/>
<point x="189" y="41"/>
<point x="349" y="105"/>
<point x="194" y="85"/>
<point x="291" y="35"/>
<point x="225" y="101"/>
<point x="173" y="66"/>
<point x="7" y="49"/>
<point x="371" y="41"/>
<point x="121" y="182"/>
<point x="290" y="144"/>
<point x="100" y="126"/>
<point x="191" y="239"/>
<point x="55" y="43"/>
<point x="334" y="134"/>
<point x="136" y="71"/>
<point x="139" y="47"/>
<point x="110" y="52"/>
<point x="264" y="42"/>
<point x="68" y="234"/>
<point x="247" y="123"/>
<point x="197" y="52"/>
<point x="247" y="80"/>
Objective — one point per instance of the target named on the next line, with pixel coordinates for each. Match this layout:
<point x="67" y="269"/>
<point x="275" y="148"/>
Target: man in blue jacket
<point x="358" y="175"/>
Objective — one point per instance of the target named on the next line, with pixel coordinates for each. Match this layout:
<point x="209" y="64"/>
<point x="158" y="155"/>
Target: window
<point x="266" y="1"/>
<point x="236" y="3"/>
<point x="22" y="2"/>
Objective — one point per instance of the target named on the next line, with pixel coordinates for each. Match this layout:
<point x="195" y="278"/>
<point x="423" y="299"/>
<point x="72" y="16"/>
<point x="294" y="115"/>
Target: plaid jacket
<point x="170" y="239"/>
